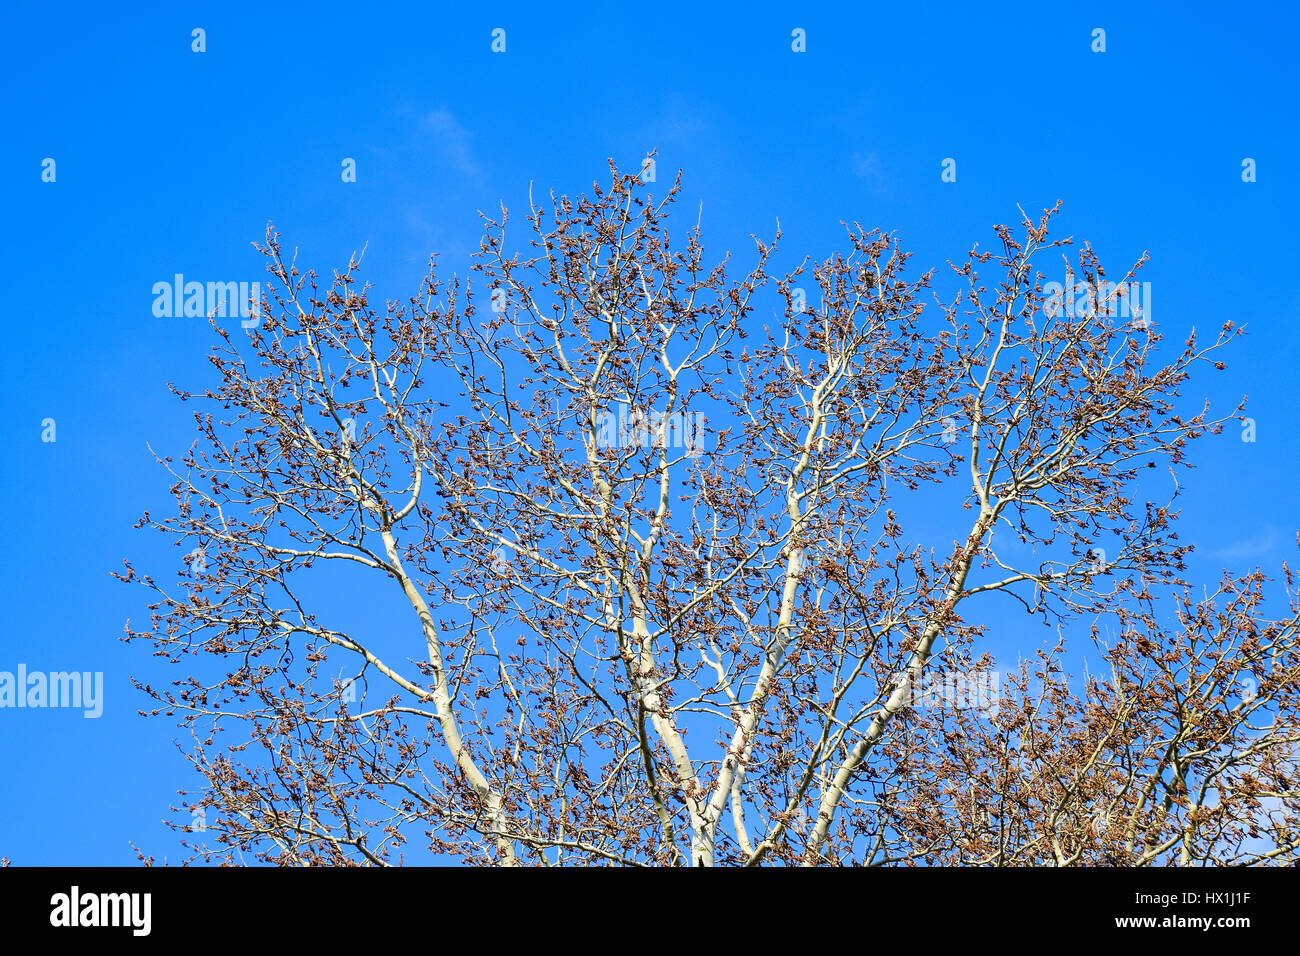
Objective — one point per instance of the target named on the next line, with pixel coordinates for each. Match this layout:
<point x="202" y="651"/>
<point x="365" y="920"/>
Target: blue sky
<point x="170" y="161"/>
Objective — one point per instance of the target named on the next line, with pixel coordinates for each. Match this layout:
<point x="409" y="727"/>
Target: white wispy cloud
<point x="452" y="140"/>
<point x="870" y="168"/>
<point x="1254" y="547"/>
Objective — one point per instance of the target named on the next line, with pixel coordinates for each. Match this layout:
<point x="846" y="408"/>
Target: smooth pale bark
<point x="442" y="704"/>
<point x="901" y="695"/>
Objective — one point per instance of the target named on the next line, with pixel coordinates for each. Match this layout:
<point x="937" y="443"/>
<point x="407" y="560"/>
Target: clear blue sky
<point x="170" y="161"/>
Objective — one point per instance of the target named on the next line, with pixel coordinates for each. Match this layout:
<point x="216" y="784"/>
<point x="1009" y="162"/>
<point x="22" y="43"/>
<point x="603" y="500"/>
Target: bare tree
<point x="619" y="572"/>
